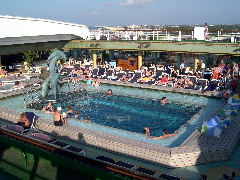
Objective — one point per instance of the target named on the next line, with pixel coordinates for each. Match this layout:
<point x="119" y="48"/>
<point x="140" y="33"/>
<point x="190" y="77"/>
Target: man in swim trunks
<point x="58" y="118"/>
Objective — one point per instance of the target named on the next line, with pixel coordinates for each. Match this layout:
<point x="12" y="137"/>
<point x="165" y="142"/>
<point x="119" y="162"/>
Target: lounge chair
<point x="95" y="72"/>
<point x="202" y="84"/>
<point x="66" y="146"/>
<point x="146" y="171"/>
<point x="31" y="116"/>
<point x="106" y="159"/>
<point x="125" y="164"/>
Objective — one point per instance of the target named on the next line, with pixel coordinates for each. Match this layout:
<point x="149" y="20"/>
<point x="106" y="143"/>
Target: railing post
<point x="179" y="35"/>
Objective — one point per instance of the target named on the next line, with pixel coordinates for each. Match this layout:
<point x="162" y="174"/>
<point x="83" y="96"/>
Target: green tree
<point x="28" y="57"/>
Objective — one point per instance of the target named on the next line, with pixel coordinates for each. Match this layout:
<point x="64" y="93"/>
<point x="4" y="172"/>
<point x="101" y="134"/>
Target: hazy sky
<point x="127" y="12"/>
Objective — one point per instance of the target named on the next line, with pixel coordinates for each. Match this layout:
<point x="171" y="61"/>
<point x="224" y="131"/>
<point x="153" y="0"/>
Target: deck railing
<point x="170" y="35"/>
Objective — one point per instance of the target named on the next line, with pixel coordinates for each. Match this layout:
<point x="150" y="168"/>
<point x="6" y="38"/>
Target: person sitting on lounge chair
<point x="23" y="121"/>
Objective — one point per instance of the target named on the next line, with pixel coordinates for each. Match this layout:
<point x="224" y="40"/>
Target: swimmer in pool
<point x="69" y="111"/>
<point x="165" y="135"/>
<point x="85" y="119"/>
<point x="163" y="100"/>
<point x="146" y="131"/>
<point x="109" y="92"/>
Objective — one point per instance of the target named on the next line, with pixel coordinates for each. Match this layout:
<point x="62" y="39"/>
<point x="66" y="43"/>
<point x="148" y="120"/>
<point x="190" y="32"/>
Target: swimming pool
<point x="126" y="112"/>
<point x="211" y="104"/>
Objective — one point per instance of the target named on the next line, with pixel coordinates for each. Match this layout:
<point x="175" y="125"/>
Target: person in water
<point x="163" y="100"/>
<point x="85" y="119"/>
<point x="165" y="135"/>
<point x="69" y="111"/>
<point x="49" y="107"/>
<point x="109" y="92"/>
<point x="146" y="131"/>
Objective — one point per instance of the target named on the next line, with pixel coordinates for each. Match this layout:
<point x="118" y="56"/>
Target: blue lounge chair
<point x="146" y="171"/>
<point x="106" y="159"/>
<point x="31" y="116"/>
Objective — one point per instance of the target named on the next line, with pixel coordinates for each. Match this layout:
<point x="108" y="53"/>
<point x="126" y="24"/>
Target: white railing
<point x="169" y="35"/>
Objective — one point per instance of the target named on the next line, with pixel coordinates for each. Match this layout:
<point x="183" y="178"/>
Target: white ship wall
<point x="13" y="26"/>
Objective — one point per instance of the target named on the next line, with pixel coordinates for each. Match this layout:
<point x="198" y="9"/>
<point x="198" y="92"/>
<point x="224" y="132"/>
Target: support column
<point x="111" y="55"/>
<point x="139" y="59"/>
<point x="179" y="59"/>
<point x="94" y="58"/>
<point x="80" y="52"/>
<point x="75" y="53"/>
<point x="154" y="56"/>
<point x="86" y="53"/>
<point x="100" y="55"/>
<point x="206" y="57"/>
<point x="196" y="60"/>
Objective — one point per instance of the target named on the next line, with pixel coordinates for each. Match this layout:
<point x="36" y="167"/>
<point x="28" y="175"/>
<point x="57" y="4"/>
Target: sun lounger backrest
<point x="31" y="116"/>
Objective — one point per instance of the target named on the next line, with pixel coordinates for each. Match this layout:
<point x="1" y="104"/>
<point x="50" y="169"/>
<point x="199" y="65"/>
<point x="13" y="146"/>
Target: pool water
<point x="149" y="96"/>
<point x="126" y="112"/>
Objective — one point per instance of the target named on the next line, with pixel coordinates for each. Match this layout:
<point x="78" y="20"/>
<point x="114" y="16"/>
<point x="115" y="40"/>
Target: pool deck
<point x="213" y="170"/>
<point x="162" y="88"/>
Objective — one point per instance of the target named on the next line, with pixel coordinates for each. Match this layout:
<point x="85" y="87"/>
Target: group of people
<point x="93" y="81"/>
<point x="165" y="134"/>
<point x="76" y="73"/>
<point x="60" y="118"/>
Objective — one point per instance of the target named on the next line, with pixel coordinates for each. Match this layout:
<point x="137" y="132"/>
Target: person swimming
<point x="163" y="100"/>
<point x="165" y="135"/>
<point x="85" y="119"/>
<point x="109" y="92"/>
<point x="69" y="112"/>
<point x="146" y="131"/>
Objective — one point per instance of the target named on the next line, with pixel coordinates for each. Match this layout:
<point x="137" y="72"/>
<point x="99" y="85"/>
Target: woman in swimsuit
<point x="74" y="75"/>
<point x="69" y="111"/>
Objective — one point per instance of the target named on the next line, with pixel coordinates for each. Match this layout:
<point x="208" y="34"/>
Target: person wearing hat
<point x="58" y="118"/>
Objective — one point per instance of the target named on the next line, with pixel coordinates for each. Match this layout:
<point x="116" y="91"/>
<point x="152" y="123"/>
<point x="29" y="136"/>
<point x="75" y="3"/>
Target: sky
<point x="127" y="12"/>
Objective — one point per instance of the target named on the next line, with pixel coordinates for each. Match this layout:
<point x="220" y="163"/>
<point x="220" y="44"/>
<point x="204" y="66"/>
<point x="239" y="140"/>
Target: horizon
<point x="118" y="12"/>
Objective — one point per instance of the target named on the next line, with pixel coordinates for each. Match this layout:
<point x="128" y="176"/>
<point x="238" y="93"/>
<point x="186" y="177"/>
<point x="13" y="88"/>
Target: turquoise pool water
<point x="126" y="112"/>
<point x="150" y="97"/>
